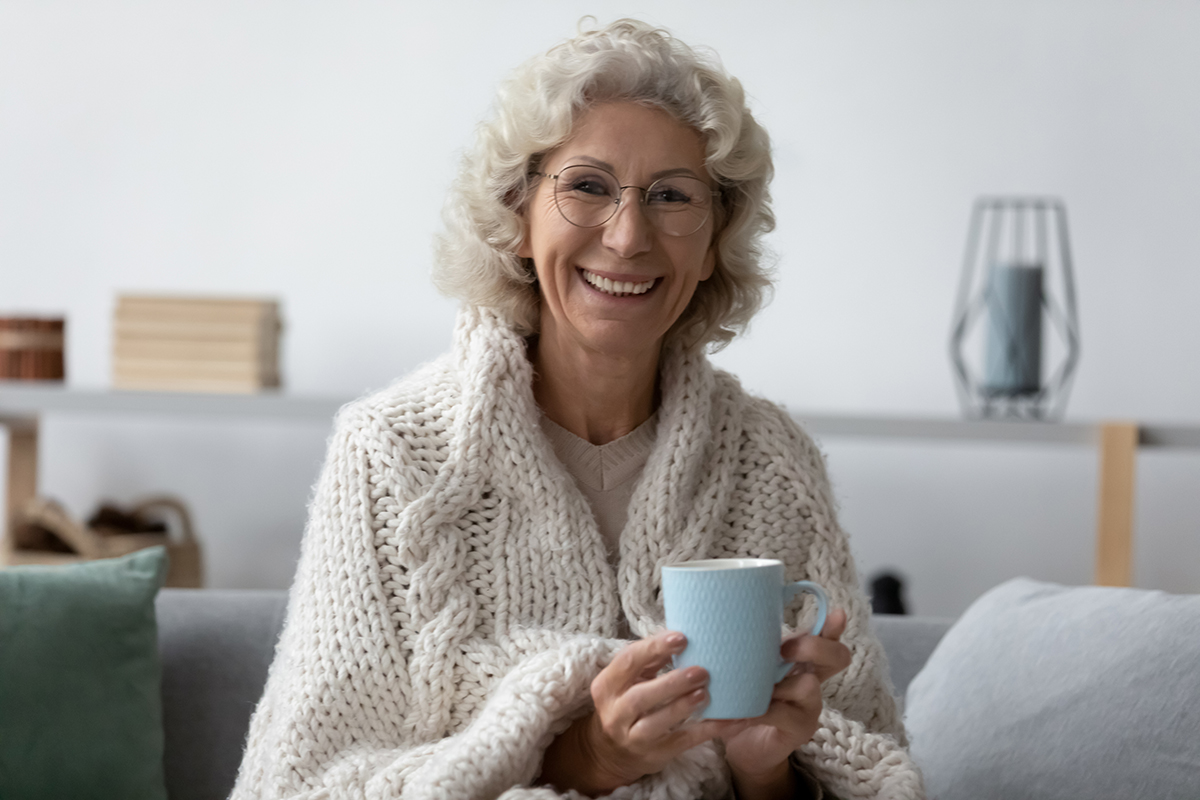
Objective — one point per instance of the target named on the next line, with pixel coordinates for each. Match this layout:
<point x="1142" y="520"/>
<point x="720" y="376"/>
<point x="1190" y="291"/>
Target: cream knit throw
<point x="453" y="600"/>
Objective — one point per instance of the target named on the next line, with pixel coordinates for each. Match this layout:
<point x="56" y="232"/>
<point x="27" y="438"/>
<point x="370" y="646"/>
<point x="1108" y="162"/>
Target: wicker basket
<point x="32" y="349"/>
<point x="88" y="544"/>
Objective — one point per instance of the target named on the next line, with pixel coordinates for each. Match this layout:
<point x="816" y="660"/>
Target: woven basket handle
<point x="51" y="515"/>
<point x="145" y="508"/>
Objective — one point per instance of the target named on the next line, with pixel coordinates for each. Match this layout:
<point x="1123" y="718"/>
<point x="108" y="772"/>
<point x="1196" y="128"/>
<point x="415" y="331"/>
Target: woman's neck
<point x="596" y="396"/>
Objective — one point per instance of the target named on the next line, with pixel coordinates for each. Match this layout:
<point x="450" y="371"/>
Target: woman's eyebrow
<point x="595" y="162"/>
<point x="605" y="165"/>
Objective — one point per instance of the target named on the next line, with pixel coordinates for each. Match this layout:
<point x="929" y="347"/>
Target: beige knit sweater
<point x="453" y="599"/>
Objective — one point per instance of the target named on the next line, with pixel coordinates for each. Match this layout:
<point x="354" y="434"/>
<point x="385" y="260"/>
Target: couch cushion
<point x="80" y="709"/>
<point x="1041" y="691"/>
<point x="216" y="649"/>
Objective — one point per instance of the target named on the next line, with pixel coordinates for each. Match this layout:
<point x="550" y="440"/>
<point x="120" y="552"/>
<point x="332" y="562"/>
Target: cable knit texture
<point x="454" y="600"/>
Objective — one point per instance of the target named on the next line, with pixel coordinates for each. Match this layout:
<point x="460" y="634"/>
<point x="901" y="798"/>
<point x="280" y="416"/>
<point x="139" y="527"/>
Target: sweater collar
<point x="679" y="503"/>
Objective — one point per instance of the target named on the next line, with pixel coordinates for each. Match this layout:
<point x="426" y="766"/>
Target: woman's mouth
<point x="617" y="288"/>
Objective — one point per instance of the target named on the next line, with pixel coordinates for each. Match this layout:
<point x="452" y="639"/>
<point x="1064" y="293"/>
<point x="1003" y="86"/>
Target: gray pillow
<point x="1041" y="691"/>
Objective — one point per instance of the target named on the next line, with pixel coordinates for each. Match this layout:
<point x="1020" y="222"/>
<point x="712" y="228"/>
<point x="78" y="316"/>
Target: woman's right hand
<point x="640" y="721"/>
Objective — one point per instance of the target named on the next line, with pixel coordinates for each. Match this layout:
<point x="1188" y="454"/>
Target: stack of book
<point x="195" y="344"/>
<point x="31" y="349"/>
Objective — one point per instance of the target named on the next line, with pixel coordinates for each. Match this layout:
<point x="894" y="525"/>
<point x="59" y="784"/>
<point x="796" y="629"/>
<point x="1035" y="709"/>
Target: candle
<point x="1014" y="331"/>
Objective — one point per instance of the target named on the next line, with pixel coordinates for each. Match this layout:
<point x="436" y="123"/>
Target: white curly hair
<point x="476" y="254"/>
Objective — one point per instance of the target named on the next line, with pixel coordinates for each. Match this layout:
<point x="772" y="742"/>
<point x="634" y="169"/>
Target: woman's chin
<point x="616" y="340"/>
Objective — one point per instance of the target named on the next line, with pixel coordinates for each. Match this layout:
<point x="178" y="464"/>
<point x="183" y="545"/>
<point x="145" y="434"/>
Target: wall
<point x="301" y="150"/>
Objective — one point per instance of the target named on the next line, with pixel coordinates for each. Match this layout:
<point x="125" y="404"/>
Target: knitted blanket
<point x="454" y="599"/>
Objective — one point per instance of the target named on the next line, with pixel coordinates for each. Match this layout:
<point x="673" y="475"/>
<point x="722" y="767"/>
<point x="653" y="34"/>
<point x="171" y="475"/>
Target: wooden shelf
<point x="1081" y="433"/>
<point x="23" y="403"/>
<point x="1116" y="442"/>
<point x="28" y="401"/>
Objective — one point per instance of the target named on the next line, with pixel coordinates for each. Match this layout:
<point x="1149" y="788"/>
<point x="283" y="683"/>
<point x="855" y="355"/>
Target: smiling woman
<point x="611" y="289"/>
<point x="477" y="611"/>
<point x="538" y="112"/>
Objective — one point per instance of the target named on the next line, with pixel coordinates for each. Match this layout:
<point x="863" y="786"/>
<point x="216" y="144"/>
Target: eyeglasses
<point x="588" y="197"/>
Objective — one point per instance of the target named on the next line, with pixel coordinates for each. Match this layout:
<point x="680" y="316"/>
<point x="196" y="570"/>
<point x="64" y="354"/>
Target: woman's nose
<point x="629" y="231"/>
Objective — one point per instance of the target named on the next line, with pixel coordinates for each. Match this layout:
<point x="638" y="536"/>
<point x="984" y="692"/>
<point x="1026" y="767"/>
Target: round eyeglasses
<point x="588" y="197"/>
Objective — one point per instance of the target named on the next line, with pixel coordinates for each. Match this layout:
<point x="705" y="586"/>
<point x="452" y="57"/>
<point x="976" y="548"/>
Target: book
<point x="196" y="344"/>
<point x="127" y="348"/>
<point x="199" y="309"/>
<point x="149" y="367"/>
<point x="188" y="384"/>
<point x="192" y="331"/>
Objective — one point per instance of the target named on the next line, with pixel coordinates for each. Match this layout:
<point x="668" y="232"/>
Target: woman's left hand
<point x="758" y="755"/>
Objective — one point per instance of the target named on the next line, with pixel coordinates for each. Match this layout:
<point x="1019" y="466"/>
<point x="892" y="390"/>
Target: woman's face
<point x="638" y="145"/>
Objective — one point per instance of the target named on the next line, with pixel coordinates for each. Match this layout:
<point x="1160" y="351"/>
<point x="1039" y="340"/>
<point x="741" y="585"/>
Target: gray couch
<point x="216" y="647"/>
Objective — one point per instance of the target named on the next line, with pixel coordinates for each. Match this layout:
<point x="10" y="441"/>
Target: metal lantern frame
<point x="1033" y="230"/>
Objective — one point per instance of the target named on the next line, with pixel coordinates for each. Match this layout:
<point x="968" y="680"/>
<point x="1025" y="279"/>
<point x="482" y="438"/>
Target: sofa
<point x="1038" y="691"/>
<point x="113" y="687"/>
<point x="216" y="647"/>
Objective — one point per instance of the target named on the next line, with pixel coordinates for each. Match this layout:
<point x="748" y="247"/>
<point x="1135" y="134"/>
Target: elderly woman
<point x="477" y="609"/>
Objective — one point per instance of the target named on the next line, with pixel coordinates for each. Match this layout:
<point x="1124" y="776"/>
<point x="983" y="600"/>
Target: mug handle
<point x="790" y="591"/>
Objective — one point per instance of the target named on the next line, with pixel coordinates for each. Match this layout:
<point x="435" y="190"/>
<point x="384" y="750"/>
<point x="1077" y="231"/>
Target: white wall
<point x="301" y="150"/>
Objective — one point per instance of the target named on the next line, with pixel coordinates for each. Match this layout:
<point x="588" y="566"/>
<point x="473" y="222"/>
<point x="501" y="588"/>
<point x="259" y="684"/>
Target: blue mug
<point x="731" y="610"/>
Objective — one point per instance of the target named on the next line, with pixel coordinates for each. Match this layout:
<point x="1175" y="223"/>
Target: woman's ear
<point x="514" y="201"/>
<point x="721" y="215"/>
<point x="710" y="256"/>
<point x="710" y="262"/>
<point x="524" y="249"/>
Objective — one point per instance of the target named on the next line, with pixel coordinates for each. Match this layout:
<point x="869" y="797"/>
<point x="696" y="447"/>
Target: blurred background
<point x="301" y="151"/>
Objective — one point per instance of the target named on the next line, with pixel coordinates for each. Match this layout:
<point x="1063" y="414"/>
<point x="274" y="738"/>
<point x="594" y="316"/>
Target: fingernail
<point x="676" y="639"/>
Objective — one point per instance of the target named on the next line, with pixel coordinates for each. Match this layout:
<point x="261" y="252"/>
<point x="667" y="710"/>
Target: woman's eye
<point x="590" y="186"/>
<point x="668" y="195"/>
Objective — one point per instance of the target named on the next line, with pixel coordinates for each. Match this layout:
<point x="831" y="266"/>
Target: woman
<point x="487" y="534"/>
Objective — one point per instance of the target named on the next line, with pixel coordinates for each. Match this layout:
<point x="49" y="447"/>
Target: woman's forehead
<point x="627" y="136"/>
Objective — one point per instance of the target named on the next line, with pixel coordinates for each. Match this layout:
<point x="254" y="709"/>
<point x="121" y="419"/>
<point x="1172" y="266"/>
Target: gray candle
<point x="1014" y="331"/>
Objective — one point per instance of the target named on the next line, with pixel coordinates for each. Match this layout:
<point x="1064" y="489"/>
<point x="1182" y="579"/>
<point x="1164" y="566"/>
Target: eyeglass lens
<point x="588" y="196"/>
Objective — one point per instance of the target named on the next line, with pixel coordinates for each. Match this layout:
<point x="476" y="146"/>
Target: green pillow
<point x="80" y="702"/>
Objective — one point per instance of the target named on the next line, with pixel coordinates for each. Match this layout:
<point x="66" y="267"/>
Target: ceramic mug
<point x="731" y="610"/>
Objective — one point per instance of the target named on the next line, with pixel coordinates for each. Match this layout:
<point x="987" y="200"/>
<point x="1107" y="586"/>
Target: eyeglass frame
<point x="644" y="190"/>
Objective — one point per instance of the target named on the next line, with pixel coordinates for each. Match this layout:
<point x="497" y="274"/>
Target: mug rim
<point x="723" y="564"/>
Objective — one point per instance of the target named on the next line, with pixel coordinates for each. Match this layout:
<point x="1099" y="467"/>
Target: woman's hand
<point x="638" y="724"/>
<point x="758" y="754"/>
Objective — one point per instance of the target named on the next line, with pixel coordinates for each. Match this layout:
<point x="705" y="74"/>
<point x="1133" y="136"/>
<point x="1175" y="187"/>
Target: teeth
<point x="619" y="288"/>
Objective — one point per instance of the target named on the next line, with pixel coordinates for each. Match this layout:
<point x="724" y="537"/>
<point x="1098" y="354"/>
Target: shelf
<point x="21" y="405"/>
<point x="947" y="429"/>
<point x="1116" y="444"/>
<point x="1082" y="433"/>
<point x="23" y="401"/>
